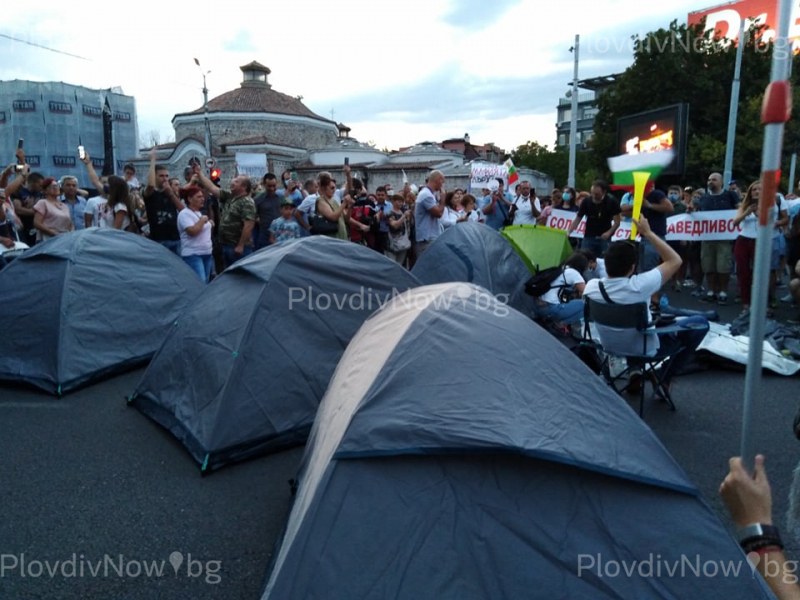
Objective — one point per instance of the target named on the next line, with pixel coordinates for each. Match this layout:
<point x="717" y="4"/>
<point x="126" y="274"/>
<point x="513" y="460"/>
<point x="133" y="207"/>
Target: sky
<point x="397" y="72"/>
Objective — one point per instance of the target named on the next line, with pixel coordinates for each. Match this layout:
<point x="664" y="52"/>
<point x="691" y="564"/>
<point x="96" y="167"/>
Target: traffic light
<point x="215" y="175"/>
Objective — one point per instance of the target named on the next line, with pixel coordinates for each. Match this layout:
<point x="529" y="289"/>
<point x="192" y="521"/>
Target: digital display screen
<point x="656" y="130"/>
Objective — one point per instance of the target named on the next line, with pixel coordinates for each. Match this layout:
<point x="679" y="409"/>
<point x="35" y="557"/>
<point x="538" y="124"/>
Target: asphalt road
<point x="90" y="487"/>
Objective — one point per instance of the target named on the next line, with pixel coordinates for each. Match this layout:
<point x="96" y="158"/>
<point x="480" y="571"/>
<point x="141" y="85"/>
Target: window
<point x="122" y="116"/>
<point x="2" y="116"/>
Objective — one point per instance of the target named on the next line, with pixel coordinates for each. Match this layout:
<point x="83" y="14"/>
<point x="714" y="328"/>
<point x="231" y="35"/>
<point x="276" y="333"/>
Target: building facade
<point x="53" y="118"/>
<point x="587" y="110"/>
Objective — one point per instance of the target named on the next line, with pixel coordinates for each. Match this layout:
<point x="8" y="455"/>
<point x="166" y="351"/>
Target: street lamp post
<point x="205" y="109"/>
<point x="573" y="124"/>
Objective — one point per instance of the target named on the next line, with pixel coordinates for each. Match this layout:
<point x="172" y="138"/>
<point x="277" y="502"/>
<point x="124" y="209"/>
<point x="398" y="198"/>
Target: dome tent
<point x="420" y="482"/>
<point x="249" y="380"/>
<point x="475" y="253"/>
<point x="89" y="303"/>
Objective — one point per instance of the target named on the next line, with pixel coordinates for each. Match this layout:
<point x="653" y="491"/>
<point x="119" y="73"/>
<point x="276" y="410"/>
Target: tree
<point x="556" y="163"/>
<point x="684" y="64"/>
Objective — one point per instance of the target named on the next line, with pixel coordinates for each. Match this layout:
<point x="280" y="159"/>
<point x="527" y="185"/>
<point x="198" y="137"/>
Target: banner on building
<point x="250" y="164"/>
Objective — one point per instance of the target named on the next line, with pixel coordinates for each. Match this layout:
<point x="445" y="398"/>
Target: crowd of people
<point x="211" y="228"/>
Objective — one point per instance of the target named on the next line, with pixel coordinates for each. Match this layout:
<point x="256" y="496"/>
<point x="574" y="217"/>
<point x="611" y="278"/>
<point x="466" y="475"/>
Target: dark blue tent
<point x="86" y="304"/>
<point x="475" y="253"/>
<point x="505" y="478"/>
<point x="244" y="369"/>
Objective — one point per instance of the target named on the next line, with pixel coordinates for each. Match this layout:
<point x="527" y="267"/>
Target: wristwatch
<point x="757" y="530"/>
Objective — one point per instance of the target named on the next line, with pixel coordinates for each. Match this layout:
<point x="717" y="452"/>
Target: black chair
<point x="635" y="317"/>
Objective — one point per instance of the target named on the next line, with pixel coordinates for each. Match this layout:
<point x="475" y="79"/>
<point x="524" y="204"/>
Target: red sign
<point x="724" y="19"/>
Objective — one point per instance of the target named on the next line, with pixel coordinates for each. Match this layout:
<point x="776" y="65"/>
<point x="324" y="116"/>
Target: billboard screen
<point x="655" y="130"/>
<point x="725" y="18"/>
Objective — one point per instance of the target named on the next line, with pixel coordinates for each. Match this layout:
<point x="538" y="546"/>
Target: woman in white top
<point x="453" y="213"/>
<point x="195" y="230"/>
<point x="119" y="205"/>
<point x="744" y="249"/>
<point x="569" y="283"/>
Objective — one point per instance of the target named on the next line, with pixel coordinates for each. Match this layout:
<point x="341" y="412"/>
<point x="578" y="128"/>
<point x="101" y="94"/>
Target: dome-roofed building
<point x="253" y="110"/>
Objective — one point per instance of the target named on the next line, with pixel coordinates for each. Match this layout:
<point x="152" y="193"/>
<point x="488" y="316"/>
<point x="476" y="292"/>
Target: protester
<point x="562" y="302"/>
<point x="453" y="212"/>
<point x="526" y="206"/>
<point x="163" y="206"/>
<point x="428" y="211"/>
<point x="195" y="231"/>
<point x="238" y="216"/>
<point x="623" y="286"/>
<point x="268" y="208"/>
<point x="73" y="200"/>
<point x="399" y="221"/>
<point x="52" y="216"/>
<point x="329" y="207"/>
<point x="602" y="214"/>
<point x="285" y="228"/>
<point x="716" y="255"/>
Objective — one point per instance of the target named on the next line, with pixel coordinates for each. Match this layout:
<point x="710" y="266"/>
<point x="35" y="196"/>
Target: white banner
<point x="252" y="165"/>
<point x="712" y="225"/>
<point x="483" y="172"/>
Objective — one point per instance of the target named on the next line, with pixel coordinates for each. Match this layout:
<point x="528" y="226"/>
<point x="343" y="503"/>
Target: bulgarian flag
<point x="513" y="176"/>
<point x="633" y="171"/>
<point x="624" y="166"/>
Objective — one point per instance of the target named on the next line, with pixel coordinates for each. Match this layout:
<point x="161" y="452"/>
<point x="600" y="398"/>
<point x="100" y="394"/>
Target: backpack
<point x="540" y="283"/>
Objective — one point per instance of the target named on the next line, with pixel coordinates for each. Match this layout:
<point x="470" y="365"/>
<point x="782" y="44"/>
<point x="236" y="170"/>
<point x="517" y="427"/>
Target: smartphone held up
<point x="81" y="152"/>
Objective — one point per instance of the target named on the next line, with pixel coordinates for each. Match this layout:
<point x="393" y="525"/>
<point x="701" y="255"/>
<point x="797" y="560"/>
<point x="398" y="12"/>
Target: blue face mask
<point x="566" y="196"/>
<point x="674" y="197"/>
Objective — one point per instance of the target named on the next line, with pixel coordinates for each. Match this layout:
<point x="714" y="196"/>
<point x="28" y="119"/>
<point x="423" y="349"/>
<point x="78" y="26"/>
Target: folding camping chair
<point x="630" y="316"/>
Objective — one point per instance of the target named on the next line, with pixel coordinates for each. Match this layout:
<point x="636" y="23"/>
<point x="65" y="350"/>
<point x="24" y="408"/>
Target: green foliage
<point x="556" y="163"/>
<point x="681" y="64"/>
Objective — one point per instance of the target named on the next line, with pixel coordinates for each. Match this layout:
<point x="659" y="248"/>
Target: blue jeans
<point x="566" y="312"/>
<point x="172" y="245"/>
<point x="596" y="244"/>
<point x="229" y="256"/>
<point x="200" y="264"/>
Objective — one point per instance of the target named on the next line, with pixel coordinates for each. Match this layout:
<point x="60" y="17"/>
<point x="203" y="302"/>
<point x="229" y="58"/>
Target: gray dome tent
<point x="243" y="371"/>
<point x="86" y="304"/>
<point x="475" y="253"/>
<point x="499" y="481"/>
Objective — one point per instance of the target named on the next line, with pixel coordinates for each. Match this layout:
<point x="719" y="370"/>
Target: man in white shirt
<point x="623" y="286"/>
<point x="526" y="208"/>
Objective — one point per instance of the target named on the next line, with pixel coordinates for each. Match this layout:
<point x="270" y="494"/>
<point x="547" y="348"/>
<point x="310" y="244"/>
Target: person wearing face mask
<point x="568" y="199"/>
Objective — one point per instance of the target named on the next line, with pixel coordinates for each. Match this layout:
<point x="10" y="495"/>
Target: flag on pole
<point x="624" y="166"/>
<point x="513" y="176"/>
<point x="405" y="177"/>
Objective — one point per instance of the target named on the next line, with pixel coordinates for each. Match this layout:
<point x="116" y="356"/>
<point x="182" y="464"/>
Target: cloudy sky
<point x="396" y="71"/>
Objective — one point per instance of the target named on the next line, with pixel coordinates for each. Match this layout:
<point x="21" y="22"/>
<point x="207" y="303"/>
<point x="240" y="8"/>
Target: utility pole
<point x="573" y="125"/>
<point x="205" y="109"/>
<point x="734" y="109"/>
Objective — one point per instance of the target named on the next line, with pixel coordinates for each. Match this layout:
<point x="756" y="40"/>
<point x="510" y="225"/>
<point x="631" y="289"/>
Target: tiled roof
<point x="258" y="99"/>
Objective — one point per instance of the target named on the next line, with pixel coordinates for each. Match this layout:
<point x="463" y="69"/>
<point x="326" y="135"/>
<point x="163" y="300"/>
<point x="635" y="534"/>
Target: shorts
<point x="716" y="256"/>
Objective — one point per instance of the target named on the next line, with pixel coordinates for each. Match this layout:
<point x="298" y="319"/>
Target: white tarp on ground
<point x="721" y="342"/>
